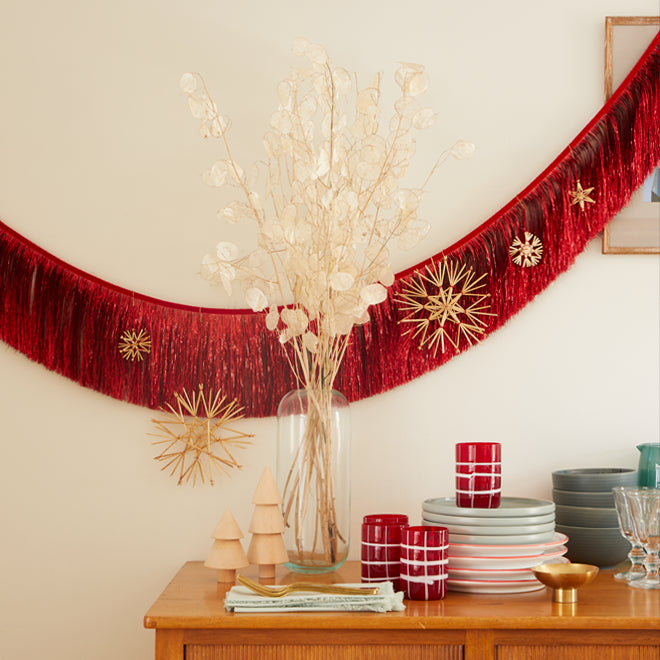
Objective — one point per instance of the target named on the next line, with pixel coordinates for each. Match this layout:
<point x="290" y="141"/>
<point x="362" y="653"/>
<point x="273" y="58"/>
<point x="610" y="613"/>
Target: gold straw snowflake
<point x="528" y="253"/>
<point x="197" y="428"/>
<point x="133" y="344"/>
<point x="446" y="302"/>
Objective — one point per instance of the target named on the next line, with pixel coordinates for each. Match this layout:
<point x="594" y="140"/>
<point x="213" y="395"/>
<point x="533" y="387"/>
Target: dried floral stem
<point x="332" y="205"/>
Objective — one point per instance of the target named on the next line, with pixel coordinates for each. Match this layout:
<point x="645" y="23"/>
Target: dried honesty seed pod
<point x="218" y="272"/>
<point x="232" y="213"/>
<point x="216" y="175"/>
<point x="462" y="150"/>
<point x="412" y="79"/>
<point x="256" y="299"/>
<point x="425" y="118"/>
<point x="226" y="251"/>
<point x="198" y="109"/>
<point x="272" y="318"/>
<point x="373" y="294"/>
<point x="311" y="342"/>
<point x="341" y="281"/>
<point x="188" y="83"/>
<point x="300" y="46"/>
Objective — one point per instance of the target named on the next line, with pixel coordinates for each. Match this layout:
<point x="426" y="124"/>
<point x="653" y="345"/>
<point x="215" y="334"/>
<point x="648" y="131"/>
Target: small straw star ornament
<point x="527" y="253"/>
<point x="581" y="195"/>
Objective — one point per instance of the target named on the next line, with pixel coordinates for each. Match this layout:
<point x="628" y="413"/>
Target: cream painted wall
<point x="100" y="163"/>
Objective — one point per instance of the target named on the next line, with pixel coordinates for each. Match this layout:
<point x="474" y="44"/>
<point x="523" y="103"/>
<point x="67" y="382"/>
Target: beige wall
<point x="100" y="163"/>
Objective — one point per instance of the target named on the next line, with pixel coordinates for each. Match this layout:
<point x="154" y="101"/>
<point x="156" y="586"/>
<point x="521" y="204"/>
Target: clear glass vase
<point x="313" y="475"/>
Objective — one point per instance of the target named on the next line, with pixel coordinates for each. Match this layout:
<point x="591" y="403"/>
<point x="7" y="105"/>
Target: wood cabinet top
<point x="194" y="599"/>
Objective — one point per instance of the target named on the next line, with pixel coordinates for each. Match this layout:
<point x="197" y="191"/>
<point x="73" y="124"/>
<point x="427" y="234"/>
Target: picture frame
<point x="636" y="228"/>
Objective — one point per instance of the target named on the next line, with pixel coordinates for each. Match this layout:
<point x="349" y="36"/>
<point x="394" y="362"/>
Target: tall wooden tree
<point x="267" y="545"/>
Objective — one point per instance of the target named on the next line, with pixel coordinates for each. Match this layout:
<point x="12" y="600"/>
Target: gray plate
<point x="586" y="516"/>
<point x="595" y="545"/>
<point x="576" y="498"/>
<point x="515" y="521"/>
<point x="509" y="507"/>
<point x="593" y="479"/>
<point x="487" y="530"/>
<point x="521" y="539"/>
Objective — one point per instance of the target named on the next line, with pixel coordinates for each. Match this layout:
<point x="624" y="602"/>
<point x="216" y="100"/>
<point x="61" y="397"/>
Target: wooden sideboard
<point x="190" y="622"/>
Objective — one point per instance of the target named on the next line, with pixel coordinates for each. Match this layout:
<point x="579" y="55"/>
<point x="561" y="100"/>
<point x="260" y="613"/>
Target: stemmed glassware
<point x="626" y="526"/>
<point x="645" y="511"/>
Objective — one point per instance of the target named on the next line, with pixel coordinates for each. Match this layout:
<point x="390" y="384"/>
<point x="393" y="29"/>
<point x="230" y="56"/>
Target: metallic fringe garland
<point x="72" y="322"/>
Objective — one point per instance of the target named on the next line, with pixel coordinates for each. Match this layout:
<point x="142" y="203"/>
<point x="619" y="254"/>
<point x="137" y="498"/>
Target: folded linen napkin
<point x="241" y="599"/>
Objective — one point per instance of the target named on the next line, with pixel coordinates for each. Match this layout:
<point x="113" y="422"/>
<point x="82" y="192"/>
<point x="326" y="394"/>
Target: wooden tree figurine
<point x="227" y="553"/>
<point x="267" y="545"/>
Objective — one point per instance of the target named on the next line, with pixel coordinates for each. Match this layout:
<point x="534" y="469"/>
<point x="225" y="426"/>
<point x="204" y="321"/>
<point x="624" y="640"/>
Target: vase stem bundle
<point x="313" y="447"/>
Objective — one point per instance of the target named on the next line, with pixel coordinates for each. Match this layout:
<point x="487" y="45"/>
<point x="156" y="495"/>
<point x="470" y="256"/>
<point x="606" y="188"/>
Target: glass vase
<point x="313" y="475"/>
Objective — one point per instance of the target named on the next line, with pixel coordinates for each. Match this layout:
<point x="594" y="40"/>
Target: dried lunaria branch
<point x="329" y="206"/>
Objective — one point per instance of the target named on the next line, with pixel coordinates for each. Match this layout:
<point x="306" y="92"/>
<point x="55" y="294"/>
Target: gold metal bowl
<point x="565" y="579"/>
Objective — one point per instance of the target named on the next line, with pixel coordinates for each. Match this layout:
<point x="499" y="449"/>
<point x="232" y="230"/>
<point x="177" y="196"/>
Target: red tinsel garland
<point x="72" y="322"/>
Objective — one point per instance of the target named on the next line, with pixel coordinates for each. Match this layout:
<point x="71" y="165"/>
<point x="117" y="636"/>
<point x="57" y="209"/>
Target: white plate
<point x="505" y="550"/>
<point x="479" y="521"/>
<point x="509" y="507"/>
<point x="484" y="530"/>
<point x="495" y="563"/>
<point x="497" y="573"/>
<point x="485" y="587"/>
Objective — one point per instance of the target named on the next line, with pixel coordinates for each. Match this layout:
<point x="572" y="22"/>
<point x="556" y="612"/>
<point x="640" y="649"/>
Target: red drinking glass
<point x="381" y="547"/>
<point x="478" y="474"/>
<point x="424" y="562"/>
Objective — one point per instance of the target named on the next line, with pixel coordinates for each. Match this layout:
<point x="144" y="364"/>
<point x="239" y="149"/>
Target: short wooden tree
<point x="267" y="545"/>
<point x="227" y="552"/>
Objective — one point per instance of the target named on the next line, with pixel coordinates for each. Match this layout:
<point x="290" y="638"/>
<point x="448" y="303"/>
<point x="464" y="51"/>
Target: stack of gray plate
<point x="585" y="512"/>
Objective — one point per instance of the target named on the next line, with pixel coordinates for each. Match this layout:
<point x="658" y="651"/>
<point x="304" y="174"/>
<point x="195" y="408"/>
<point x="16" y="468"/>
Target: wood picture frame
<point x="636" y="228"/>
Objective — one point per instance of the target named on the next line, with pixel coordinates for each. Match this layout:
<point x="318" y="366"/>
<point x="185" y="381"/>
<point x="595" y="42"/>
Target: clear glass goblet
<point x="645" y="511"/>
<point x="637" y="554"/>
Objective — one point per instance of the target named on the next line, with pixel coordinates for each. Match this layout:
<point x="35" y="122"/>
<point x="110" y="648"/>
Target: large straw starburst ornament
<point x="197" y="428"/>
<point x="447" y="302"/>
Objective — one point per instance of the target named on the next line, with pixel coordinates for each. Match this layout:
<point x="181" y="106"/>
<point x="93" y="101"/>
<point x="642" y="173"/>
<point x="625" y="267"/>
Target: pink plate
<point x="523" y="550"/>
<point x="494" y="563"/>
<point x="491" y="574"/>
<point x="496" y="587"/>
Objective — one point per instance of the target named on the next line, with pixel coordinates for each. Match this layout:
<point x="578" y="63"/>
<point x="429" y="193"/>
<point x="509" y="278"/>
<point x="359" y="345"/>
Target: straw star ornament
<point x="198" y="437"/>
<point x="134" y="345"/>
<point x="447" y="302"/>
<point x="581" y="195"/>
<point x="528" y="252"/>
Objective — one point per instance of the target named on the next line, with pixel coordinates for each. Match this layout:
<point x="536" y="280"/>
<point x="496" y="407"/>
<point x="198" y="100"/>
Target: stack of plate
<point x="493" y="550"/>
<point x="586" y="513"/>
